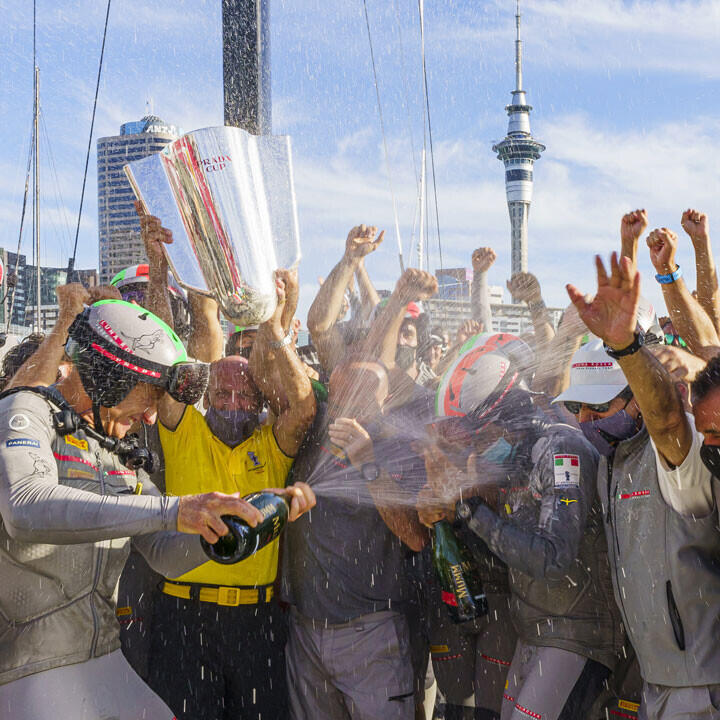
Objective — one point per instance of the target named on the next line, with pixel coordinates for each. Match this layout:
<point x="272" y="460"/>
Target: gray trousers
<point x="359" y="670"/>
<point x="471" y="662"/>
<point x="539" y="682"/>
<point x="104" y="688"/>
<point x="670" y="703"/>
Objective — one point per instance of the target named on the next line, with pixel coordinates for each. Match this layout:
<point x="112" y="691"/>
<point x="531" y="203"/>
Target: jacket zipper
<point x="611" y="519"/>
<point x="98" y="569"/>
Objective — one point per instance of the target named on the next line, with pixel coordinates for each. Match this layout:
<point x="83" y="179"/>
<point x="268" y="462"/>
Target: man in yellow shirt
<point x="218" y="635"/>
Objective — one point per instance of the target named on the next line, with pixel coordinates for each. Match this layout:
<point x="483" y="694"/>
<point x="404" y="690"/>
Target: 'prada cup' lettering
<point x="462" y="591"/>
<point x="215" y="164"/>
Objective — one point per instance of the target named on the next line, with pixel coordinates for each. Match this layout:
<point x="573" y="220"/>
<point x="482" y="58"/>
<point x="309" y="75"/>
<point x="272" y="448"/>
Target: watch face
<point x="370" y="472"/>
<point x="463" y="511"/>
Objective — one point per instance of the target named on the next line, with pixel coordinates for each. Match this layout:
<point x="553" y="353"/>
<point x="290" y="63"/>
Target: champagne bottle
<point x="243" y="540"/>
<point x="461" y="589"/>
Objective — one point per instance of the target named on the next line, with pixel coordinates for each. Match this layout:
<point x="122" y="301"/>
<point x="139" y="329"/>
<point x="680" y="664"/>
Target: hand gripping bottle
<point x="243" y="540"/>
<point x="461" y="589"/>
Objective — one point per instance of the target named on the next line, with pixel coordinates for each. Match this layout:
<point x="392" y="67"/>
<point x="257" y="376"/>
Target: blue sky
<point x="625" y="97"/>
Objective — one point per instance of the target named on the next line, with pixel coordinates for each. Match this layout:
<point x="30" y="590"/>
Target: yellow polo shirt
<point x="197" y="462"/>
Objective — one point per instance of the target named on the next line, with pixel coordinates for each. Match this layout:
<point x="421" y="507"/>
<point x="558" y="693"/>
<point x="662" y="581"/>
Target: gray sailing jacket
<point x="550" y="535"/>
<point x="665" y="570"/>
<point x="67" y="511"/>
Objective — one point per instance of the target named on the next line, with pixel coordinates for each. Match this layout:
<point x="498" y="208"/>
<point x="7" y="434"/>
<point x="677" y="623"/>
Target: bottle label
<point x="449" y="598"/>
<point x="459" y="580"/>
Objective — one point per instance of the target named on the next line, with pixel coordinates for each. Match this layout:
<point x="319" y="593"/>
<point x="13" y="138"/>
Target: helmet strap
<point x="97" y="420"/>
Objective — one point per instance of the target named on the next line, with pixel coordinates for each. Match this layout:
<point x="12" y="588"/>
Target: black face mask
<point x="710" y="455"/>
<point x="405" y="357"/>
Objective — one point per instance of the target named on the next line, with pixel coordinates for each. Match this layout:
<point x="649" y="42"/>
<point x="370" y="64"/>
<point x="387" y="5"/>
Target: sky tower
<point x="518" y="151"/>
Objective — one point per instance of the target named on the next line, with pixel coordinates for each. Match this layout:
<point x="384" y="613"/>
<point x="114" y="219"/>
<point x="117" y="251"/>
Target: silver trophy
<point x="228" y="198"/>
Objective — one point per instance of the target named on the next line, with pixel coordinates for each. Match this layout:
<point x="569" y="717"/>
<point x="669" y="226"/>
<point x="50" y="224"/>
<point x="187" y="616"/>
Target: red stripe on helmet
<point x="125" y="363"/>
<point x="113" y="335"/>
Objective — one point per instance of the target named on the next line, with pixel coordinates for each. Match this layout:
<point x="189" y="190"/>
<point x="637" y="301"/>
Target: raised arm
<point x="323" y="313"/>
<point x="482" y="260"/>
<point x="41" y="368"/>
<point x="524" y="286"/>
<point x="632" y="226"/>
<point x="369" y="297"/>
<point x="689" y="319"/>
<point x="696" y="225"/>
<point x="612" y="316"/>
<point x="381" y="341"/>
<point x="273" y="355"/>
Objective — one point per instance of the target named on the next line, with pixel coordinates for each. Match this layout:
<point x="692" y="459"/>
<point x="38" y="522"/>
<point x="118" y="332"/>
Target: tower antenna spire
<point x="518" y="49"/>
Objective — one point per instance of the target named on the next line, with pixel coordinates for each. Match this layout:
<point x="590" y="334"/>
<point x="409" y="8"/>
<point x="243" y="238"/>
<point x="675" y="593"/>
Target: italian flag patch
<point x="567" y="471"/>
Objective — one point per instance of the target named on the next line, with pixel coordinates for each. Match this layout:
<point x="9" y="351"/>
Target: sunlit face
<point x="241" y="343"/>
<point x="139" y="405"/>
<point x="707" y="417"/>
<point x="231" y="387"/>
<point x="407" y="334"/>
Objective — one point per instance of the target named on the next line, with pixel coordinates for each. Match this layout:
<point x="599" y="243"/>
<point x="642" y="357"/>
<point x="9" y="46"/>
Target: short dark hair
<point x="15" y="357"/>
<point x="707" y="380"/>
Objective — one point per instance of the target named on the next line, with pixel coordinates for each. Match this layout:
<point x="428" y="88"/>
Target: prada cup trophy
<point x="228" y="198"/>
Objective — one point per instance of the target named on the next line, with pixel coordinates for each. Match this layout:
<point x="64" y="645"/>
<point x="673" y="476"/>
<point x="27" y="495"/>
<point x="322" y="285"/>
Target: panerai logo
<point x="214" y="164"/>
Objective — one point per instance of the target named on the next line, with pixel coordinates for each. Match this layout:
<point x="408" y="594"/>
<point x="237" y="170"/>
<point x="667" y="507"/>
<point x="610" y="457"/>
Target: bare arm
<point x="381" y="341"/>
<point x="691" y="322"/>
<point x="612" y="316"/>
<point x="157" y="299"/>
<point x="42" y="367"/>
<point x="323" y="313"/>
<point x="482" y="260"/>
<point x="269" y="359"/>
<point x="696" y="226"/>
<point x="526" y="288"/>
<point x="368" y="294"/>
<point x="632" y="226"/>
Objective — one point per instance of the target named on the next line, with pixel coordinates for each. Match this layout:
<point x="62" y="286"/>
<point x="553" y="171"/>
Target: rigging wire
<point x="429" y="125"/>
<point x="10" y="287"/>
<point x="71" y="261"/>
<point x="385" y="147"/>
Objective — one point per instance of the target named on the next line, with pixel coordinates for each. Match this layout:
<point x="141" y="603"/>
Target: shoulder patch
<point x="76" y="442"/>
<point x="22" y="442"/>
<point x="567" y="471"/>
<point x="19" y="422"/>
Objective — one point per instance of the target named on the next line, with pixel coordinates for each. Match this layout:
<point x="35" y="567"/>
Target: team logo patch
<point x="567" y="501"/>
<point x="256" y="464"/>
<point x="19" y="422"/>
<point x="634" y="494"/>
<point x="76" y="442"/>
<point x="567" y="471"/>
<point x="22" y="442"/>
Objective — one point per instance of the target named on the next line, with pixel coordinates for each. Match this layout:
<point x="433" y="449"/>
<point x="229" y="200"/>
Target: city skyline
<point x="624" y="95"/>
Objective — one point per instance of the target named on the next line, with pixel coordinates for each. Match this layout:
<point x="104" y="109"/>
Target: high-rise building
<point x="118" y="224"/>
<point x="518" y="151"/>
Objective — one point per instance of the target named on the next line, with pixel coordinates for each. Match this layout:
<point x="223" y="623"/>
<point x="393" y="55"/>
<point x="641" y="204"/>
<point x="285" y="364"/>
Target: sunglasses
<point x="574" y="407"/>
<point x="675" y="340"/>
<point x="133" y="295"/>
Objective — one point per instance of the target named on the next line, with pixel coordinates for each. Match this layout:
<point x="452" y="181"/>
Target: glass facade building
<point x="120" y="244"/>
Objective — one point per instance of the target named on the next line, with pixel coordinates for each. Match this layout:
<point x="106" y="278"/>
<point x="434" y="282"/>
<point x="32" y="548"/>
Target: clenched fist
<point x="524" y="286"/>
<point x="415" y="285"/>
<point x="633" y="225"/>
<point x="483" y="259"/>
<point x="696" y="225"/>
<point x="663" y="245"/>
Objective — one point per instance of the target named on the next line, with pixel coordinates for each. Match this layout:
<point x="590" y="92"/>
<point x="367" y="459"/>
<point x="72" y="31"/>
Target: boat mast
<point x="36" y="184"/>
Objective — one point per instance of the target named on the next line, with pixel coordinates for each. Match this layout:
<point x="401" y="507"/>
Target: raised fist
<point x="483" y="259"/>
<point x="524" y="286"/>
<point x="696" y="225"/>
<point x="467" y="330"/>
<point x="663" y="245"/>
<point x="361" y="241"/>
<point x="416" y="284"/>
<point x="633" y="225"/>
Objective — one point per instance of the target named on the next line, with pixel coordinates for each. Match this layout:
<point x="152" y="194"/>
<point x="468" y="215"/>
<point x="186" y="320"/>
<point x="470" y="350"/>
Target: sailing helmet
<point x="116" y="344"/>
<point x="486" y="380"/>
<point x="132" y="282"/>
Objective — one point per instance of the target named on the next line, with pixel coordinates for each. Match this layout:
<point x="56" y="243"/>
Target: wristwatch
<point x="370" y="471"/>
<point x="631" y="349"/>
<point x="463" y="511"/>
<point x="277" y="344"/>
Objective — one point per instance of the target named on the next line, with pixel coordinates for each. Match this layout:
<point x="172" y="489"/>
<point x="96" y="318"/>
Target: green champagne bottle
<point x="461" y="589"/>
<point x="243" y="540"/>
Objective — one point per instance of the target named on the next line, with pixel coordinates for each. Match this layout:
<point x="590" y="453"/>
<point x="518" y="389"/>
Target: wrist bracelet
<point x="631" y="349"/>
<point x="670" y="277"/>
<point x="277" y="344"/>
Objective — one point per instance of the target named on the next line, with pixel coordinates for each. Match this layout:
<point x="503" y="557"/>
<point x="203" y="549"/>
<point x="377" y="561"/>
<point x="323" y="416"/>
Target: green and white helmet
<point x="115" y="344"/>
